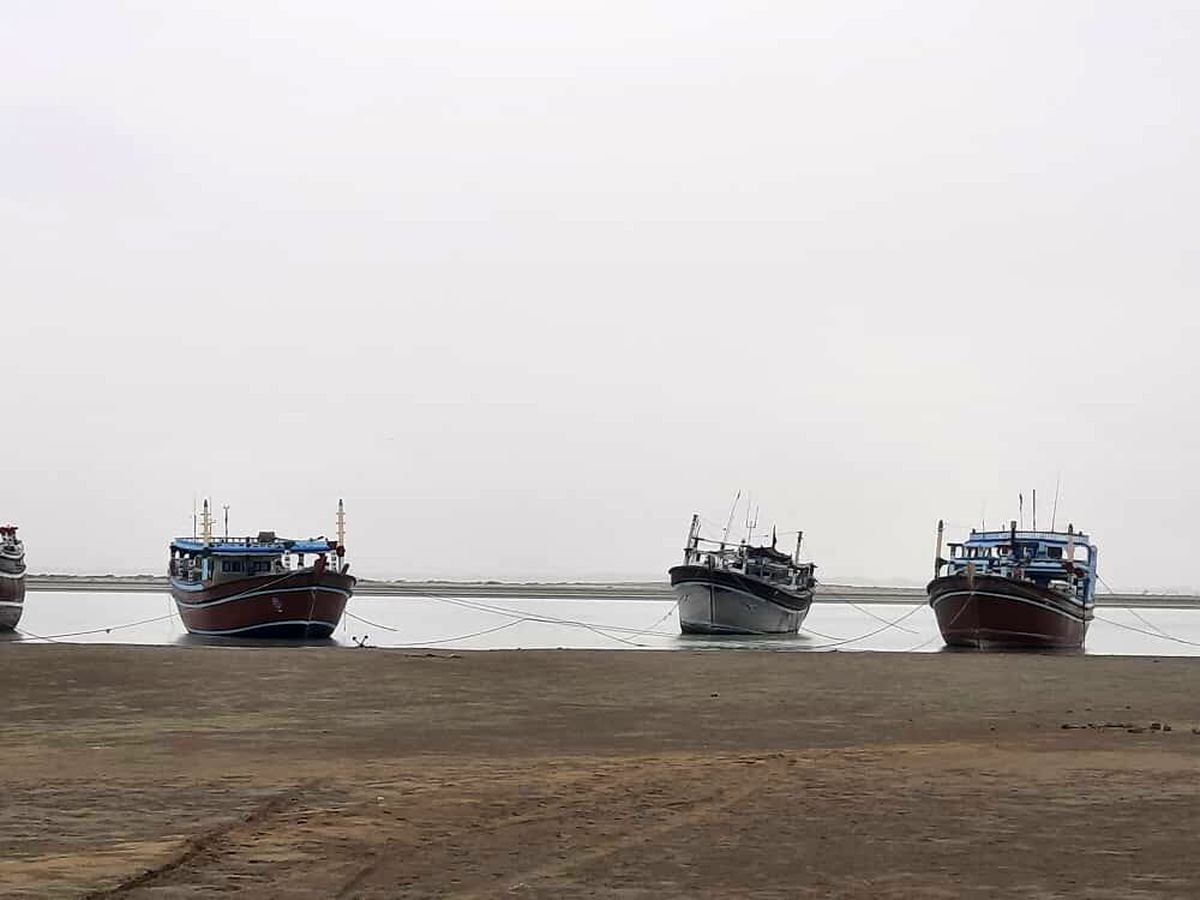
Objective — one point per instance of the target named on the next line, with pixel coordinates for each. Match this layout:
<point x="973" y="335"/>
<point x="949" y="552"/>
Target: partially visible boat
<point x="12" y="577"/>
<point x="741" y="589"/>
<point x="1015" y="589"/>
<point x="260" y="587"/>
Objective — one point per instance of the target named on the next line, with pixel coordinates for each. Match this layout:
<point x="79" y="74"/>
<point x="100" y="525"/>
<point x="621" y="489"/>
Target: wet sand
<point x="189" y="772"/>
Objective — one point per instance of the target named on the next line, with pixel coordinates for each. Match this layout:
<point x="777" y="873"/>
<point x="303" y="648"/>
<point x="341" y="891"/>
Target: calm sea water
<point x="477" y="623"/>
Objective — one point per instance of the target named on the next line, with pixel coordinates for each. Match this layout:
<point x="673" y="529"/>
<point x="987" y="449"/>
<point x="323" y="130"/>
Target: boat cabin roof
<point x="994" y="538"/>
<point x="250" y="546"/>
<point x="769" y="553"/>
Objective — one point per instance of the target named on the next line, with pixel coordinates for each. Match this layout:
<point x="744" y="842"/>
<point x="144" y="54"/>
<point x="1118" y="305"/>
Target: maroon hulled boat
<point x="12" y="577"/>
<point x="1016" y="589"/>
<point x="265" y="586"/>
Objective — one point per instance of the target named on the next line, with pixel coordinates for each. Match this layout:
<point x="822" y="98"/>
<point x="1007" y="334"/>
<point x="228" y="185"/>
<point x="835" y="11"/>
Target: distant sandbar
<point x="567" y="590"/>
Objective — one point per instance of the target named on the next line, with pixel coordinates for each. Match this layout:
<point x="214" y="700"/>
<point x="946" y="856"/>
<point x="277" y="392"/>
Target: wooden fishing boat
<point x="12" y="577"/>
<point x="1015" y="589"/>
<point x="260" y="587"/>
<point x="741" y="589"/>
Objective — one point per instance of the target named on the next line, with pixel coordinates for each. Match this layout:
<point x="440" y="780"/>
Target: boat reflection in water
<point x="261" y="587"/>
<point x="1015" y="589"/>
<point x="741" y="589"/>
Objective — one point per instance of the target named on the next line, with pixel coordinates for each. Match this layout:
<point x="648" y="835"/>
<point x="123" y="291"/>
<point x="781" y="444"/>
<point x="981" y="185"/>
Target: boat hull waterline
<point x="303" y="605"/>
<point x="991" y="611"/>
<point x="714" y="601"/>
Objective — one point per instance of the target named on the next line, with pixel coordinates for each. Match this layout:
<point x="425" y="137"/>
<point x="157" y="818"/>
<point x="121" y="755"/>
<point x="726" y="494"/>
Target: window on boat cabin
<point x="1054" y="552"/>
<point x="231" y="565"/>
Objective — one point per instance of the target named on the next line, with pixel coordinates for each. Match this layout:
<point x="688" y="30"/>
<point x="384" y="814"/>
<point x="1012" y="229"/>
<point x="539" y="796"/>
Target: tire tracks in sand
<point x="585" y="803"/>
<point x="205" y="842"/>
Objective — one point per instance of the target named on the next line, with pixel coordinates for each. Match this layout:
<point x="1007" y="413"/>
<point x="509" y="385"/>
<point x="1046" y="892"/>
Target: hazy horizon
<point x="528" y="284"/>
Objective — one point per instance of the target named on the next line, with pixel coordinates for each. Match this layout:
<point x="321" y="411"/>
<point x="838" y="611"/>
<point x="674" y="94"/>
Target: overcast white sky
<point x="527" y="283"/>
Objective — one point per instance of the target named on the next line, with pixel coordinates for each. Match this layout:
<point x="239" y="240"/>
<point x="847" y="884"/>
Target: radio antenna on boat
<point x="799" y="538"/>
<point x="1021" y="509"/>
<point x="1054" y="509"/>
<point x="1035" y="509"/>
<point x="751" y="524"/>
<point x="193" y="516"/>
<point x="226" y="508"/>
<point x="341" y="524"/>
<point x="729" y="521"/>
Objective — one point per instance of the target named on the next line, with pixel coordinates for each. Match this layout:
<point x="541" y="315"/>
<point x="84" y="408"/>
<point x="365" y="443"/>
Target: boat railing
<point x="280" y="545"/>
<point x="237" y="542"/>
<point x="1041" y="571"/>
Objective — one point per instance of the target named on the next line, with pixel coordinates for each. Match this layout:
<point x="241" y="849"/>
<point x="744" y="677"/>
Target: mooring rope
<point x="521" y="617"/>
<point x="1157" y="632"/>
<point x="887" y="625"/>
<point x="546" y="618"/>
<point x="104" y="630"/>
<point x="1160" y="634"/>
<point x="449" y="640"/>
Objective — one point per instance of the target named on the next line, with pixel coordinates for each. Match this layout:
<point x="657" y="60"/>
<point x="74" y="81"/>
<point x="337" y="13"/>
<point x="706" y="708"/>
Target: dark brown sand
<point x="191" y="772"/>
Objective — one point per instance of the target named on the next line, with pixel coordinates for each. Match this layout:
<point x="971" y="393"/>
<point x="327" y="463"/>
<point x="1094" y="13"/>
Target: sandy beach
<point x="187" y="772"/>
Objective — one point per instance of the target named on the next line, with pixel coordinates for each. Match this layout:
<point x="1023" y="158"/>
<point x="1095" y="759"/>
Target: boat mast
<point x="206" y="524"/>
<point x="1071" y="555"/>
<point x="729" y="521"/>
<point x="937" y="554"/>
<point x="341" y="524"/>
<point x="693" y="539"/>
<point x="226" y="508"/>
<point x="1035" y="509"/>
<point x="799" y="538"/>
<point x="1054" y="509"/>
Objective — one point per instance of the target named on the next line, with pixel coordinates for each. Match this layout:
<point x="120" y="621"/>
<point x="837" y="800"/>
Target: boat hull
<point x="302" y="605"/>
<point x="716" y="601"/>
<point x="990" y="611"/>
<point x="12" y="599"/>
